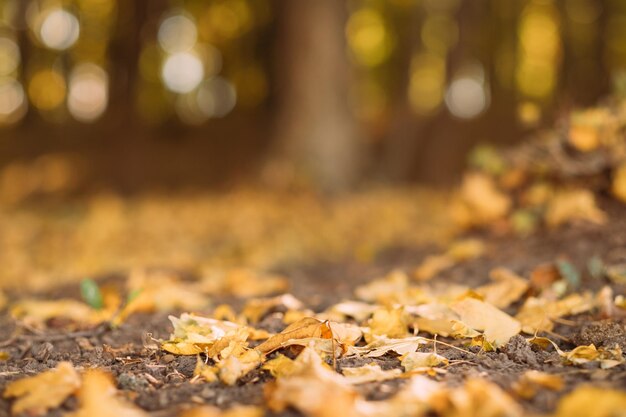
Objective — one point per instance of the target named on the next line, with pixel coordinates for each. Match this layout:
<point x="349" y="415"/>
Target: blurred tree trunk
<point x="316" y="137"/>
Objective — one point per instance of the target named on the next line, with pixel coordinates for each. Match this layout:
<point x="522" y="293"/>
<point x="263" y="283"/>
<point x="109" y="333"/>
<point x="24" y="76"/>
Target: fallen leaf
<point x="532" y="381"/>
<point x="571" y="205"/>
<point x="588" y="401"/>
<point x="280" y="366"/>
<point x="384" y="289"/>
<point x="618" y="186"/>
<point x="537" y="313"/>
<point x="498" y="327"/>
<point x="382" y="345"/>
<point x="480" y="201"/>
<point x="355" y="309"/>
<point x="194" y="334"/>
<point x="369" y="373"/>
<point x="205" y="372"/>
<point x="507" y="287"/>
<point x="37" y="312"/>
<point x="308" y="327"/>
<point x="235" y="411"/>
<point x="434" y="318"/>
<point x="256" y="309"/>
<point x="313" y="389"/>
<point x="389" y="322"/>
<point x="45" y="391"/>
<point x="432" y="265"/>
<point x="418" y="360"/>
<point x="243" y="283"/>
<point x="97" y="397"/>
<point x="235" y="366"/>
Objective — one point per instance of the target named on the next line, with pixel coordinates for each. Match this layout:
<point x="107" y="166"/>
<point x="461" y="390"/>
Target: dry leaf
<point x="235" y="366"/>
<point x="531" y="381"/>
<point x="280" y="366"/>
<point x="382" y="345"/>
<point x="97" y="397"/>
<point x="256" y="309"/>
<point x="236" y="411"/>
<point x="537" y="313"/>
<point x="435" y="318"/>
<point x="308" y="327"/>
<point x="388" y="322"/>
<point x="413" y="361"/>
<point x="432" y="265"/>
<point x="384" y="289"/>
<point x="203" y="371"/>
<point x="369" y="373"/>
<point x="45" y="391"/>
<point x="480" y="201"/>
<point x="572" y="205"/>
<point x="507" y="287"/>
<point x="498" y="327"/>
<point x="243" y="283"/>
<point x="160" y="291"/>
<point x="588" y="401"/>
<point x="194" y="334"/>
<point x="37" y="312"/>
<point x="476" y="398"/>
<point x="312" y="389"/>
<point x="618" y="187"/>
<point x="355" y="309"/>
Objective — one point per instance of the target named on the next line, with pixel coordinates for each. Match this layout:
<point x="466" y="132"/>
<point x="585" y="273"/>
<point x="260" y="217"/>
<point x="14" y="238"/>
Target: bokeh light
<point x="88" y="92"/>
<point x="216" y="97"/>
<point x="12" y="101"/>
<point x="467" y="95"/>
<point x="59" y="29"/>
<point x="177" y="33"/>
<point x="182" y="72"/>
<point x="47" y="89"/>
<point x="9" y="56"/>
<point x="427" y="83"/>
<point x="369" y="37"/>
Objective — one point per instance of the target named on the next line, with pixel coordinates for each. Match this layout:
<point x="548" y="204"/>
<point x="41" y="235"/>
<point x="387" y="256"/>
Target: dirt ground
<point x="159" y="382"/>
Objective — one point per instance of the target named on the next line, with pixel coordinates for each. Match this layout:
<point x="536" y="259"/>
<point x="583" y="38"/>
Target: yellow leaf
<point x="618" y="187"/>
<point x="537" y="313"/>
<point x="571" y="205"/>
<point x="235" y="366"/>
<point x="417" y="360"/>
<point x="584" y="138"/>
<point x="389" y="322"/>
<point x="255" y="309"/>
<point x="498" y="327"/>
<point x="243" y="283"/>
<point x="236" y="411"/>
<point x="480" y="201"/>
<point x="97" y="397"/>
<point x="531" y="381"/>
<point x="312" y="389"/>
<point x="587" y="401"/>
<point x="355" y="309"/>
<point x="432" y="266"/>
<point x="40" y="393"/>
<point x="369" y="373"/>
<point x="37" y="312"/>
<point x="384" y="289"/>
<point x="507" y="287"/>
<point x="308" y="327"/>
<point x="382" y="345"/>
<point x="204" y="371"/>
<point x="280" y="366"/>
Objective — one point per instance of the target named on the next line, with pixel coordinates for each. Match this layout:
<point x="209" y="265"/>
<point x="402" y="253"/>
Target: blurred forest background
<point x="141" y="94"/>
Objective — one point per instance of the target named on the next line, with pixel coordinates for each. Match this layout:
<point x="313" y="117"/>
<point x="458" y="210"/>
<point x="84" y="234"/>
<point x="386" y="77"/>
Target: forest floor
<point x="505" y="297"/>
<point x="163" y="383"/>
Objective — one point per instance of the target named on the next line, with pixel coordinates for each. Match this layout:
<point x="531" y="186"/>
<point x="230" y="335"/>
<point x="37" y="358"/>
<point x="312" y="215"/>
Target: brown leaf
<point x="305" y="328"/>
<point x="97" y="397"/>
<point x="40" y="393"/>
<point x="498" y="326"/>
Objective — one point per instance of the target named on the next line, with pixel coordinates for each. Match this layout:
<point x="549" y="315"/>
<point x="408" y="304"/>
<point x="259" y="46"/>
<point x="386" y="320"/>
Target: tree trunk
<point x="315" y="133"/>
